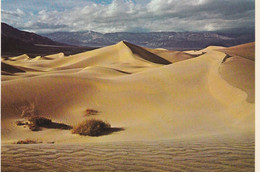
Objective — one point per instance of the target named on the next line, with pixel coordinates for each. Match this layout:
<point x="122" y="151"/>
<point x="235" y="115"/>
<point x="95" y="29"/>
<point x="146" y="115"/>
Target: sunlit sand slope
<point x="244" y="50"/>
<point x="240" y="72"/>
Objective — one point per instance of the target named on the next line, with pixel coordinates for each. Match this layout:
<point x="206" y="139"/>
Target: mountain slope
<point x="8" y="32"/>
<point x="16" y="42"/>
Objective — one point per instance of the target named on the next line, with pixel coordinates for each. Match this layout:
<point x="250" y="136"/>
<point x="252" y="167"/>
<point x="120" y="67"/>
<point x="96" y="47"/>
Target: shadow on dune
<point x="110" y="131"/>
<point x="225" y="58"/>
<point x="55" y="125"/>
<point x="37" y="123"/>
<point x="10" y="69"/>
<point x="146" y="54"/>
<point x="122" y="71"/>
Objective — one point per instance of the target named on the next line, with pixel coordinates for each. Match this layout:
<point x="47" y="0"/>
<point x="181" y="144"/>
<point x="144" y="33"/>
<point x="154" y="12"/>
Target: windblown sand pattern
<point x="229" y="154"/>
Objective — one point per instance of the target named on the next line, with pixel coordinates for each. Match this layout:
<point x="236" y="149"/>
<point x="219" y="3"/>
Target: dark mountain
<point x="26" y="37"/>
<point x="16" y="42"/>
<point x="168" y="40"/>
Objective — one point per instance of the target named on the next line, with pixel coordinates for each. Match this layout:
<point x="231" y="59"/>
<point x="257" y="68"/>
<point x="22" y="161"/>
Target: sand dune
<point x="244" y="50"/>
<point x="142" y="53"/>
<point x="134" y="90"/>
<point x="173" y="56"/>
<point x="54" y="56"/>
<point x="177" y="111"/>
<point x="21" y="57"/>
<point x="119" y="56"/>
<point x="37" y="58"/>
<point x="9" y="69"/>
<point x="244" y="69"/>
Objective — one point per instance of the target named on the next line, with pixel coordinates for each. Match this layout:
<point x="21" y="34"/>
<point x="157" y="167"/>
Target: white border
<point x="257" y="84"/>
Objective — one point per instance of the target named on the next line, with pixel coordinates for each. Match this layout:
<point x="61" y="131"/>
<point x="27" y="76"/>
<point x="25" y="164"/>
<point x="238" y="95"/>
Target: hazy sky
<point x="128" y="15"/>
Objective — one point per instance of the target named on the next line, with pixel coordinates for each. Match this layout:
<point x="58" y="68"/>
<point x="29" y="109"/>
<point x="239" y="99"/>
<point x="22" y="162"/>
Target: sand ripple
<point x="214" y="155"/>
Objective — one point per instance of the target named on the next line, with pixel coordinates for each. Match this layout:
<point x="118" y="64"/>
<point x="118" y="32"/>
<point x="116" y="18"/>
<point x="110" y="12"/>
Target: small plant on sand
<point x="28" y="111"/>
<point x="91" y="112"/>
<point x="91" y="127"/>
<point x="27" y="141"/>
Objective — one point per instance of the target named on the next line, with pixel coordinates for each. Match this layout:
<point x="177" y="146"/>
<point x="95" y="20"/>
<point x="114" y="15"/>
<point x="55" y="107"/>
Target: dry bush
<point x="91" y="127"/>
<point x="91" y="112"/>
<point x="28" y="110"/>
<point x="35" y="122"/>
<point x="27" y="141"/>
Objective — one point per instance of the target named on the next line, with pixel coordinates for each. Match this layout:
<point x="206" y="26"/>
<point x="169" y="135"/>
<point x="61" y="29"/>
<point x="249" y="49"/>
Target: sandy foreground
<point x="177" y="111"/>
<point x="212" y="154"/>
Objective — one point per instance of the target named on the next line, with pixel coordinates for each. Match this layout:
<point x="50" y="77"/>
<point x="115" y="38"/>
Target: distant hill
<point x="168" y="40"/>
<point x="16" y="42"/>
<point x="9" y="32"/>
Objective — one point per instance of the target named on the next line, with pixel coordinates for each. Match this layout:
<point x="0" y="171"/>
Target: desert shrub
<point x="91" y="112"/>
<point x="91" y="127"/>
<point x="27" y="141"/>
<point x="35" y="122"/>
<point x="28" y="111"/>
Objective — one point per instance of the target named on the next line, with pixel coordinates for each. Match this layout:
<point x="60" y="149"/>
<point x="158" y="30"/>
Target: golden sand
<point x="152" y="94"/>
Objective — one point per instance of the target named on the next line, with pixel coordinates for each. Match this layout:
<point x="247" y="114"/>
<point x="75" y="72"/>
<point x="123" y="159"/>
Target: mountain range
<point x="17" y="42"/>
<point x="167" y="40"/>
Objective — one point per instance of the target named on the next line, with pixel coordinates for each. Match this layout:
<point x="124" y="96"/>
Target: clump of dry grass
<point x="91" y="112"/>
<point x="27" y="141"/>
<point x="91" y="127"/>
<point x="28" y="110"/>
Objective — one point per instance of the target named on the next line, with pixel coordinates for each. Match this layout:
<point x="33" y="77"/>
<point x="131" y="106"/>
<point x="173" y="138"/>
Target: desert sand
<point x="186" y="100"/>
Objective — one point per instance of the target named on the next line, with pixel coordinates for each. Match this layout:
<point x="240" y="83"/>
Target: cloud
<point x="13" y="17"/>
<point x="128" y="15"/>
<point x="17" y="13"/>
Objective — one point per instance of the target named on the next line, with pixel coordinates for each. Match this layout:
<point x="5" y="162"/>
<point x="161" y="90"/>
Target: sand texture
<point x="229" y="154"/>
